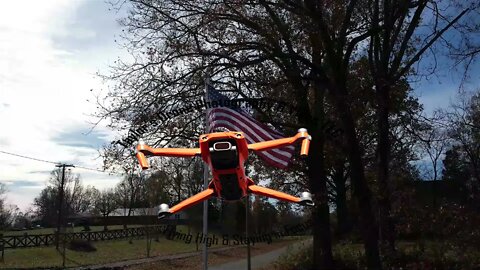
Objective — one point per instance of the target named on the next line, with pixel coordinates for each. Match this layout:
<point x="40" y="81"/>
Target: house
<point x="120" y="216"/>
<point x="119" y="212"/>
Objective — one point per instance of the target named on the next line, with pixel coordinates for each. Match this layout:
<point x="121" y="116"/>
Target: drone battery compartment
<point x="230" y="189"/>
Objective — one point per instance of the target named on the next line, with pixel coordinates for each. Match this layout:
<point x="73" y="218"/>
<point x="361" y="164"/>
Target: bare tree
<point x="128" y="193"/>
<point x="73" y="191"/>
<point x="308" y="44"/>
<point x="156" y="188"/>
<point x="397" y="42"/>
<point x="105" y="204"/>
<point x="122" y="196"/>
<point x="462" y="121"/>
<point x="289" y="39"/>
<point x="6" y="211"/>
<point x="434" y="143"/>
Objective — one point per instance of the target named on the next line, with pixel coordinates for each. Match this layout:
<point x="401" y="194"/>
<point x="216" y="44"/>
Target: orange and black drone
<point x="225" y="154"/>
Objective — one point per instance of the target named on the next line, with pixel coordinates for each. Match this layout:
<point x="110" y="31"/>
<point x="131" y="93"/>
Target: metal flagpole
<point x="247" y="209"/>
<point x="205" y="186"/>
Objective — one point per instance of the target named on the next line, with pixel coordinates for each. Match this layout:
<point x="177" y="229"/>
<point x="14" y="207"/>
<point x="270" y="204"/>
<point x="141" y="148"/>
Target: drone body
<point x="225" y="153"/>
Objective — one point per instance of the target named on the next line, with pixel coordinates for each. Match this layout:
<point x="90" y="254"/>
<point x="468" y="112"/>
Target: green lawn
<point x="75" y="229"/>
<point x="107" y="251"/>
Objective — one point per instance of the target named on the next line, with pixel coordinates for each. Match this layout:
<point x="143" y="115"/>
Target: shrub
<point x="437" y="255"/>
<point x="299" y="258"/>
<point x="81" y="245"/>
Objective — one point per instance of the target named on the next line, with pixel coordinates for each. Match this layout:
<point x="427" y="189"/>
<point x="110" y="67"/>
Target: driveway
<point x="258" y="261"/>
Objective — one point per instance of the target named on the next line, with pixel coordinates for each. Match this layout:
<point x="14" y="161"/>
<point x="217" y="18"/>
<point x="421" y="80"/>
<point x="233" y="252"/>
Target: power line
<point x="91" y="169"/>
<point x="37" y="159"/>
<point x="47" y="161"/>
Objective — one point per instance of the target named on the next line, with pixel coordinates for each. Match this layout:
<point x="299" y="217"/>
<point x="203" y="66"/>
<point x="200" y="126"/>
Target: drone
<point x="225" y="154"/>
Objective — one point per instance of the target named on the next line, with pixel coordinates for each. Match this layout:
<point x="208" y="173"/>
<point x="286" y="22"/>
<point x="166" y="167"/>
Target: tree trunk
<point x="314" y="121"/>
<point x="322" y="242"/>
<point x="383" y="154"/>
<point x="343" y="219"/>
<point x="361" y="190"/>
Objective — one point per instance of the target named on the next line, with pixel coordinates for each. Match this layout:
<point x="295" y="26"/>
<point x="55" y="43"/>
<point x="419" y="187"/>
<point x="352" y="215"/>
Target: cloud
<point x="4" y="141"/>
<point x="22" y="183"/>
<point x="88" y="27"/>
<point x="40" y="171"/>
<point x="81" y="137"/>
<point x="49" y="53"/>
<point x="434" y="95"/>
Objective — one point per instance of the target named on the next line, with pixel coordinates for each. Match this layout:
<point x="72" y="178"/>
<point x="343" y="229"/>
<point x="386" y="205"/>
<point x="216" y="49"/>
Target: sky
<point x="49" y="55"/>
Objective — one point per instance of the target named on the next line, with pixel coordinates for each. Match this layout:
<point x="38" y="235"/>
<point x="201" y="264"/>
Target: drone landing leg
<point x="199" y="197"/>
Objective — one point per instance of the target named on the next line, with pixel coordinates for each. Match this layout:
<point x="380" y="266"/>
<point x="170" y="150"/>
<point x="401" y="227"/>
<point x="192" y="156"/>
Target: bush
<point x="81" y="245"/>
<point x="295" y="258"/>
<point x="437" y="255"/>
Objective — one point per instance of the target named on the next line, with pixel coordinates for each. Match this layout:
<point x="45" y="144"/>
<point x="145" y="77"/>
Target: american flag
<point x="237" y="119"/>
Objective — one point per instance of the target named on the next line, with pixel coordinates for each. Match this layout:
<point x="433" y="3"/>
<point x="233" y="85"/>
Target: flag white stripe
<point x="260" y="129"/>
<point x="218" y="111"/>
<point x="251" y="132"/>
<point x="284" y="156"/>
<point x="254" y="130"/>
<point x="223" y="123"/>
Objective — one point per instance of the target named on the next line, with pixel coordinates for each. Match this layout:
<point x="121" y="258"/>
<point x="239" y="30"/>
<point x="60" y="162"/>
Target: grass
<point x="75" y="229"/>
<point x="107" y="251"/>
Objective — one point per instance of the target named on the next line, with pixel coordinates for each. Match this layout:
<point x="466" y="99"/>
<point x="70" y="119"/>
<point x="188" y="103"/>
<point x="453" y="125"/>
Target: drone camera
<point x="224" y="154"/>
<point x="222" y="146"/>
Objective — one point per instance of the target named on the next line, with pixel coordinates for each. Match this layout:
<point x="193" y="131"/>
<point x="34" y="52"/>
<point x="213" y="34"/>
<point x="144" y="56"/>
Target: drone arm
<point x="263" y="191"/>
<point x="143" y="150"/>
<point x="199" y="197"/>
<point x="170" y="152"/>
<point x="142" y="159"/>
<point x="301" y="135"/>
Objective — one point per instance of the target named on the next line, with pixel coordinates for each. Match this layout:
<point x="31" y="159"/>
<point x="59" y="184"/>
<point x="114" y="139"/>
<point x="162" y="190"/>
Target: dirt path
<point x="215" y="258"/>
<point x="258" y="261"/>
<point x="135" y="262"/>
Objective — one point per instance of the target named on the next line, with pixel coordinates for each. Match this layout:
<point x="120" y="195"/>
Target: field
<point x="75" y="229"/>
<point x="107" y="251"/>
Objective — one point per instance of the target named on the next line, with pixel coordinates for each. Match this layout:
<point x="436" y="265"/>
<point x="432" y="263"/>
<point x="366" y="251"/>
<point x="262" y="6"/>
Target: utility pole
<point x="60" y="201"/>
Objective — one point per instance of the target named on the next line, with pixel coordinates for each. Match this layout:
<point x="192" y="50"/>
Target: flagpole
<point x="247" y="209"/>
<point x="205" y="186"/>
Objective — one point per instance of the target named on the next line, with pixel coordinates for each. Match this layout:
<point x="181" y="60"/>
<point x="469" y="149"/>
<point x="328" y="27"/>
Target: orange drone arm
<point x="305" y="199"/>
<point x="302" y="134"/>
<point x="143" y="150"/>
<point x="199" y="197"/>
<point x="263" y="191"/>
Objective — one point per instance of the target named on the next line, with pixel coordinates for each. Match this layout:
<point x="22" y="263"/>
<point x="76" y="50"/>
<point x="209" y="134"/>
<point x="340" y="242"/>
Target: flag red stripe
<point x="269" y="154"/>
<point x="264" y="133"/>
